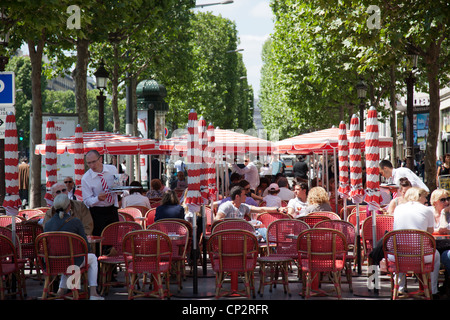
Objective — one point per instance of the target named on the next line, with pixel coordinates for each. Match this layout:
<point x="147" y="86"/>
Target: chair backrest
<point x="266" y="218"/>
<point x="150" y="217"/>
<point x="43" y="209"/>
<point x="171" y="227"/>
<point x="29" y="213"/>
<point x="146" y="251"/>
<point x="134" y="212"/>
<point x="155" y="204"/>
<point x="112" y="234"/>
<point x="27" y="233"/>
<point x="8" y="254"/>
<point x="312" y="220"/>
<point x="37" y="217"/>
<point x="362" y="208"/>
<point x="280" y="232"/>
<point x="8" y="233"/>
<point x="384" y="223"/>
<point x="410" y="250"/>
<point x="7" y="220"/>
<point x="345" y="227"/>
<point x="233" y="250"/>
<point x="57" y="250"/>
<point x="262" y="204"/>
<point x="284" y="203"/>
<point x="238" y="224"/>
<point x="353" y="217"/>
<point x="348" y="208"/>
<point x="143" y="209"/>
<point x="331" y="215"/>
<point x="322" y="248"/>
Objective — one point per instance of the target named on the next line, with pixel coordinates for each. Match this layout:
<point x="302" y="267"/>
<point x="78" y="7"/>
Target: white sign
<point x="4" y="110"/>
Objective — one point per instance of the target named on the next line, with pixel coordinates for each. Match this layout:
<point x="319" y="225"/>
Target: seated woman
<point x="62" y="220"/>
<point x="136" y="198"/>
<point x="405" y="184"/>
<point x="440" y="201"/>
<point x="170" y="207"/>
<point x="318" y="200"/>
<point x="157" y="189"/>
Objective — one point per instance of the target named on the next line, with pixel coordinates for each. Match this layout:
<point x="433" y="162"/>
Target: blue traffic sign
<point x="7" y="86"/>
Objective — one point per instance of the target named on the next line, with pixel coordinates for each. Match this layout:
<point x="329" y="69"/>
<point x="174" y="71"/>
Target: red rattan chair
<point x="238" y="224"/>
<point x="179" y="243"/>
<point x="410" y="251"/>
<point x="282" y="233"/>
<point x="7" y="220"/>
<point x="331" y="215"/>
<point x="56" y="251"/>
<point x="266" y="218"/>
<point x="233" y="252"/>
<point x="353" y="217"/>
<point x="111" y="240"/>
<point x="27" y="233"/>
<point x="134" y="212"/>
<point x="384" y="224"/>
<point x="149" y="217"/>
<point x="10" y="265"/>
<point x="321" y="250"/>
<point x="350" y="234"/>
<point x="147" y="252"/>
<point x="312" y="220"/>
<point x="29" y="213"/>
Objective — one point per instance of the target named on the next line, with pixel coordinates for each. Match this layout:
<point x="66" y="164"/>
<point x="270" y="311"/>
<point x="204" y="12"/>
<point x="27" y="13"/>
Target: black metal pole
<point x="361" y="115"/>
<point x="101" y="111"/>
<point x="409" y="121"/>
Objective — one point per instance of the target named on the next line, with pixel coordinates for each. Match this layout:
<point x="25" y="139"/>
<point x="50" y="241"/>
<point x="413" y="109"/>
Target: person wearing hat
<point x="63" y="220"/>
<point x="272" y="199"/>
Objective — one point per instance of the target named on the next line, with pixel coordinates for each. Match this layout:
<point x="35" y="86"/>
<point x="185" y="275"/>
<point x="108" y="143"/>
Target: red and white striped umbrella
<point x="356" y="186"/>
<point x="372" y="161"/>
<point x="211" y="161"/>
<point x="105" y="143"/>
<point x="203" y="145"/>
<point x="327" y="139"/>
<point x="344" y="188"/>
<point x="79" y="161"/>
<point x="11" y="202"/>
<point x="51" y="165"/>
<point x="193" y="195"/>
<point x="226" y="142"/>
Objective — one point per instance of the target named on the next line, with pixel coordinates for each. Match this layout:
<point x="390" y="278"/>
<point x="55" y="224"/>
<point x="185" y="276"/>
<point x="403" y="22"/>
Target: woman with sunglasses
<point x="440" y="200"/>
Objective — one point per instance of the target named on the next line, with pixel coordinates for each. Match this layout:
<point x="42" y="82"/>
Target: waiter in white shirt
<point x="95" y="183"/>
<point x="393" y="175"/>
<point x="250" y="172"/>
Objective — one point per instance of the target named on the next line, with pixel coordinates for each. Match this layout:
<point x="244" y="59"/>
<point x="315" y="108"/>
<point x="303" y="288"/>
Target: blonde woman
<point x="318" y="200"/>
<point x="440" y="200"/>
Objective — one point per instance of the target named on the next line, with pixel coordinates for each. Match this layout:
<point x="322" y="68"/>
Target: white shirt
<point x="135" y="199"/>
<point x="404" y="172"/>
<point x="272" y="200"/>
<point x="91" y="186"/>
<point x="230" y="211"/>
<point x="250" y="173"/>
<point x="298" y="205"/>
<point x="413" y="215"/>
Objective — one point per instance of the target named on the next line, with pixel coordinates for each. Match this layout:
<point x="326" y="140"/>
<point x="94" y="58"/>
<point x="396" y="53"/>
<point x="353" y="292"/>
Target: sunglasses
<point x="59" y="191"/>
<point x="444" y="199"/>
<point x="68" y="181"/>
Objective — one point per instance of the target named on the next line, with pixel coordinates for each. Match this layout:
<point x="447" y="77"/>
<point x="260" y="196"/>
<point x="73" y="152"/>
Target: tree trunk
<point x="431" y="60"/>
<point x="80" y="77"/>
<point x="392" y="121"/>
<point x="36" y="127"/>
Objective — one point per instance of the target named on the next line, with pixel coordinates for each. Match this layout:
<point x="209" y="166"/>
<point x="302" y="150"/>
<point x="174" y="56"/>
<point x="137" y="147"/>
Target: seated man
<point x="78" y="209"/>
<point x="296" y="207"/>
<point x="237" y="208"/>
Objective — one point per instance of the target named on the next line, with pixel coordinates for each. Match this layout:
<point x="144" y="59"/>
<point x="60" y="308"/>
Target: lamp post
<point x="361" y="90"/>
<point x="101" y="78"/>
<point x="410" y="81"/>
<point x="214" y="3"/>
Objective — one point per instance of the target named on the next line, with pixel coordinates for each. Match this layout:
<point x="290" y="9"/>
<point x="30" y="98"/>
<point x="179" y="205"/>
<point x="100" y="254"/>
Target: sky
<point x="254" y="23"/>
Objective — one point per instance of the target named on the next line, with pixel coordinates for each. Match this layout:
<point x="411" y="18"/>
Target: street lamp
<point x="233" y="51"/>
<point x="101" y="78"/>
<point x="410" y="81"/>
<point x="361" y="90"/>
<point x="213" y="4"/>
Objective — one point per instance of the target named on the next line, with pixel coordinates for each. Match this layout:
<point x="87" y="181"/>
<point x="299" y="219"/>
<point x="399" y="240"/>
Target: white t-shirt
<point x="230" y="211"/>
<point x="297" y="204"/>
<point x="413" y="215"/>
<point x="272" y="200"/>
